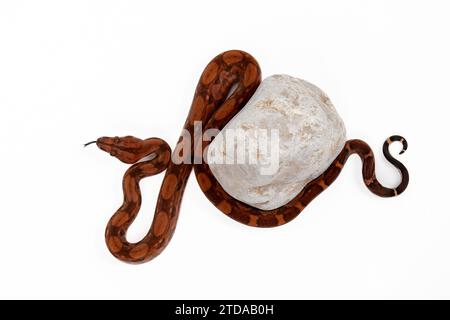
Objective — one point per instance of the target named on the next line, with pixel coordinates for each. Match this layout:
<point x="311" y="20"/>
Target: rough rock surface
<point x="311" y="135"/>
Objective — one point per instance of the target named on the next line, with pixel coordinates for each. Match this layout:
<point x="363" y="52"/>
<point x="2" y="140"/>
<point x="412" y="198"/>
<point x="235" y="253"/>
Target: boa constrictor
<point x="214" y="106"/>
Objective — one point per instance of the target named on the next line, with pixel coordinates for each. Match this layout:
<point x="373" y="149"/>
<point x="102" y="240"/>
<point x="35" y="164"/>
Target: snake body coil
<point x="212" y="106"/>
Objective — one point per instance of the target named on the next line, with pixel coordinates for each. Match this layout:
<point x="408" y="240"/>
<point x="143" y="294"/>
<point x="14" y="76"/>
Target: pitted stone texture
<point x="311" y="135"/>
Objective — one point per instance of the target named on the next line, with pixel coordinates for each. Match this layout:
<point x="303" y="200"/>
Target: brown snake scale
<point x="212" y="106"/>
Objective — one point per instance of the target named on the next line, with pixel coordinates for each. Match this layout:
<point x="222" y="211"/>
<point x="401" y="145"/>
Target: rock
<point x="271" y="173"/>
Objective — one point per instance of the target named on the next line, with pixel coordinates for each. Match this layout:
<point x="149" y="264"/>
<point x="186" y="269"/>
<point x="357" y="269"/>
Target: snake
<point x="225" y="86"/>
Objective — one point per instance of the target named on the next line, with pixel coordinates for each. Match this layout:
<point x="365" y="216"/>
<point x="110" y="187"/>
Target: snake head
<point x="127" y="149"/>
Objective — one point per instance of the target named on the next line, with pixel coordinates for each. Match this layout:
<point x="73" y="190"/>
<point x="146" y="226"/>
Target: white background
<point x="71" y="71"/>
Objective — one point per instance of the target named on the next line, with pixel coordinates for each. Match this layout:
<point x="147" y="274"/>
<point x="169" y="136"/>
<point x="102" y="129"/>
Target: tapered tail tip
<point x="394" y="138"/>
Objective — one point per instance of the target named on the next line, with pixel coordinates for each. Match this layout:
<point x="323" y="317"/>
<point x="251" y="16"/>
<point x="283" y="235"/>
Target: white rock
<point x="311" y="135"/>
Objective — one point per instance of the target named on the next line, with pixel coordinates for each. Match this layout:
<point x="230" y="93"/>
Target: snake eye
<point x="116" y="139"/>
<point x="113" y="153"/>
